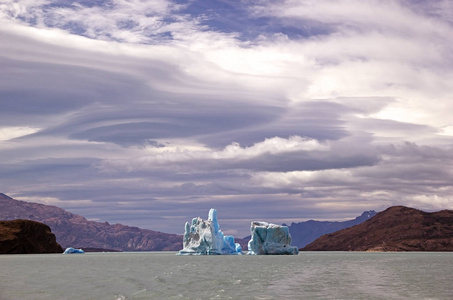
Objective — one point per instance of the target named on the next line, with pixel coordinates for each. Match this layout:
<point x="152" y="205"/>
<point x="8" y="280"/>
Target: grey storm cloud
<point x="149" y="113"/>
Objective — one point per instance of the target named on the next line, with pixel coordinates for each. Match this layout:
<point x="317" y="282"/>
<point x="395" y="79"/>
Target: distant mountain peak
<point x="367" y="214"/>
<point x="4" y="196"/>
<point x="306" y="232"/>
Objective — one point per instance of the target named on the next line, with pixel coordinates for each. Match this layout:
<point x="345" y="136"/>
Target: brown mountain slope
<point x="74" y="230"/>
<point x="27" y="237"/>
<point x="398" y="228"/>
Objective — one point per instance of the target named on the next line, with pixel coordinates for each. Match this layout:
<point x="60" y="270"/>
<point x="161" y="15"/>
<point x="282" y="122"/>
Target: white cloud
<point x="127" y="21"/>
<point x="7" y="133"/>
<point x="345" y="15"/>
<point x="275" y="145"/>
<point x="383" y="60"/>
<point x="303" y="179"/>
<point x="430" y="202"/>
<point x="174" y="154"/>
<point x="447" y="130"/>
<point x="27" y="9"/>
<point x="54" y="201"/>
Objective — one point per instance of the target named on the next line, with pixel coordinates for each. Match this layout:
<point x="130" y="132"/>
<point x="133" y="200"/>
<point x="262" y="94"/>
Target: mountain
<point x="304" y="233"/>
<point x="73" y="230"/>
<point x="27" y="237"/>
<point x="398" y="228"/>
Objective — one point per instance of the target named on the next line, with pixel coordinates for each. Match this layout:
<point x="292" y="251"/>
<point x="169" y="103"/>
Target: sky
<point x="149" y="113"/>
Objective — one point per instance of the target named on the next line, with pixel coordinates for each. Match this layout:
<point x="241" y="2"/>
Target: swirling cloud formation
<point x="150" y="112"/>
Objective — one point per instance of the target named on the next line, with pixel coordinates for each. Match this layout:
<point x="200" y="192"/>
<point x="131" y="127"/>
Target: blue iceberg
<point x="71" y="250"/>
<point x="205" y="238"/>
<point x="268" y="238"/>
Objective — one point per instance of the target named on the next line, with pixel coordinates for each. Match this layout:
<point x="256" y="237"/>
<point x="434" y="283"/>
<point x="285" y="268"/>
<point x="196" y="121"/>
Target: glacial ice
<point x="71" y="250"/>
<point x="268" y="238"/>
<point x="205" y="238"/>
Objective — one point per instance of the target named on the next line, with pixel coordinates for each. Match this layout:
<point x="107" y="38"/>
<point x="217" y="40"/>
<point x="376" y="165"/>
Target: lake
<point x="163" y="275"/>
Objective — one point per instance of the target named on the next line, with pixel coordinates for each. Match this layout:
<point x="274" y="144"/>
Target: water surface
<point x="163" y="275"/>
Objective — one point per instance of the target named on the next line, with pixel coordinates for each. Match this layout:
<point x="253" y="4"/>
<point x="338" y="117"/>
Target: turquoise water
<point x="163" y="275"/>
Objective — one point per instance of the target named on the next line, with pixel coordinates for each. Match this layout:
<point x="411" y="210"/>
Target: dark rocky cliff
<point x="27" y="237"/>
<point x="398" y="228"/>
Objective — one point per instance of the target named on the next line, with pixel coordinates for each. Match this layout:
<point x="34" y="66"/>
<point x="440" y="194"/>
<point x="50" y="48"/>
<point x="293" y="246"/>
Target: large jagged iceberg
<point x="205" y="238"/>
<point x="268" y="238"/>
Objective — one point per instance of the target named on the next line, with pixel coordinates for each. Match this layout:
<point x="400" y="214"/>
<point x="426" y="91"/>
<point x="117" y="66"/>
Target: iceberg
<point x="71" y="250"/>
<point x="268" y="238"/>
<point x="205" y="238"/>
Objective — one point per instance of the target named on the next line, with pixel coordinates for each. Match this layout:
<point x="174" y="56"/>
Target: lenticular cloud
<point x="273" y="145"/>
<point x="232" y="152"/>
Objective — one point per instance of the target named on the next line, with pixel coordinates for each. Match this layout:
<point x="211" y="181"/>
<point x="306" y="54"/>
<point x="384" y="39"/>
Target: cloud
<point x="150" y="113"/>
<point x="7" y="133"/>
<point x="299" y="179"/>
<point x="402" y="176"/>
<point x="232" y="155"/>
<point x="125" y="21"/>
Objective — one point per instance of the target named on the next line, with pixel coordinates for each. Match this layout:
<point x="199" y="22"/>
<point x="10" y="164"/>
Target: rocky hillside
<point x="304" y="233"/>
<point x="398" y="228"/>
<point x="27" y="237"/>
<point x="73" y="230"/>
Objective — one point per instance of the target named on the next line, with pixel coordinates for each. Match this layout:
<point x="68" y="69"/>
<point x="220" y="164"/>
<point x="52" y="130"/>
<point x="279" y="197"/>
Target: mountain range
<point x="73" y="230"/>
<point x="398" y="228"/>
<point x="304" y="233"/>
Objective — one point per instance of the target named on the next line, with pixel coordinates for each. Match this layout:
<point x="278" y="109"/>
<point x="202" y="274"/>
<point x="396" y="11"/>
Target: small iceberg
<point x="205" y="238"/>
<point x="71" y="250"/>
<point x="268" y="238"/>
